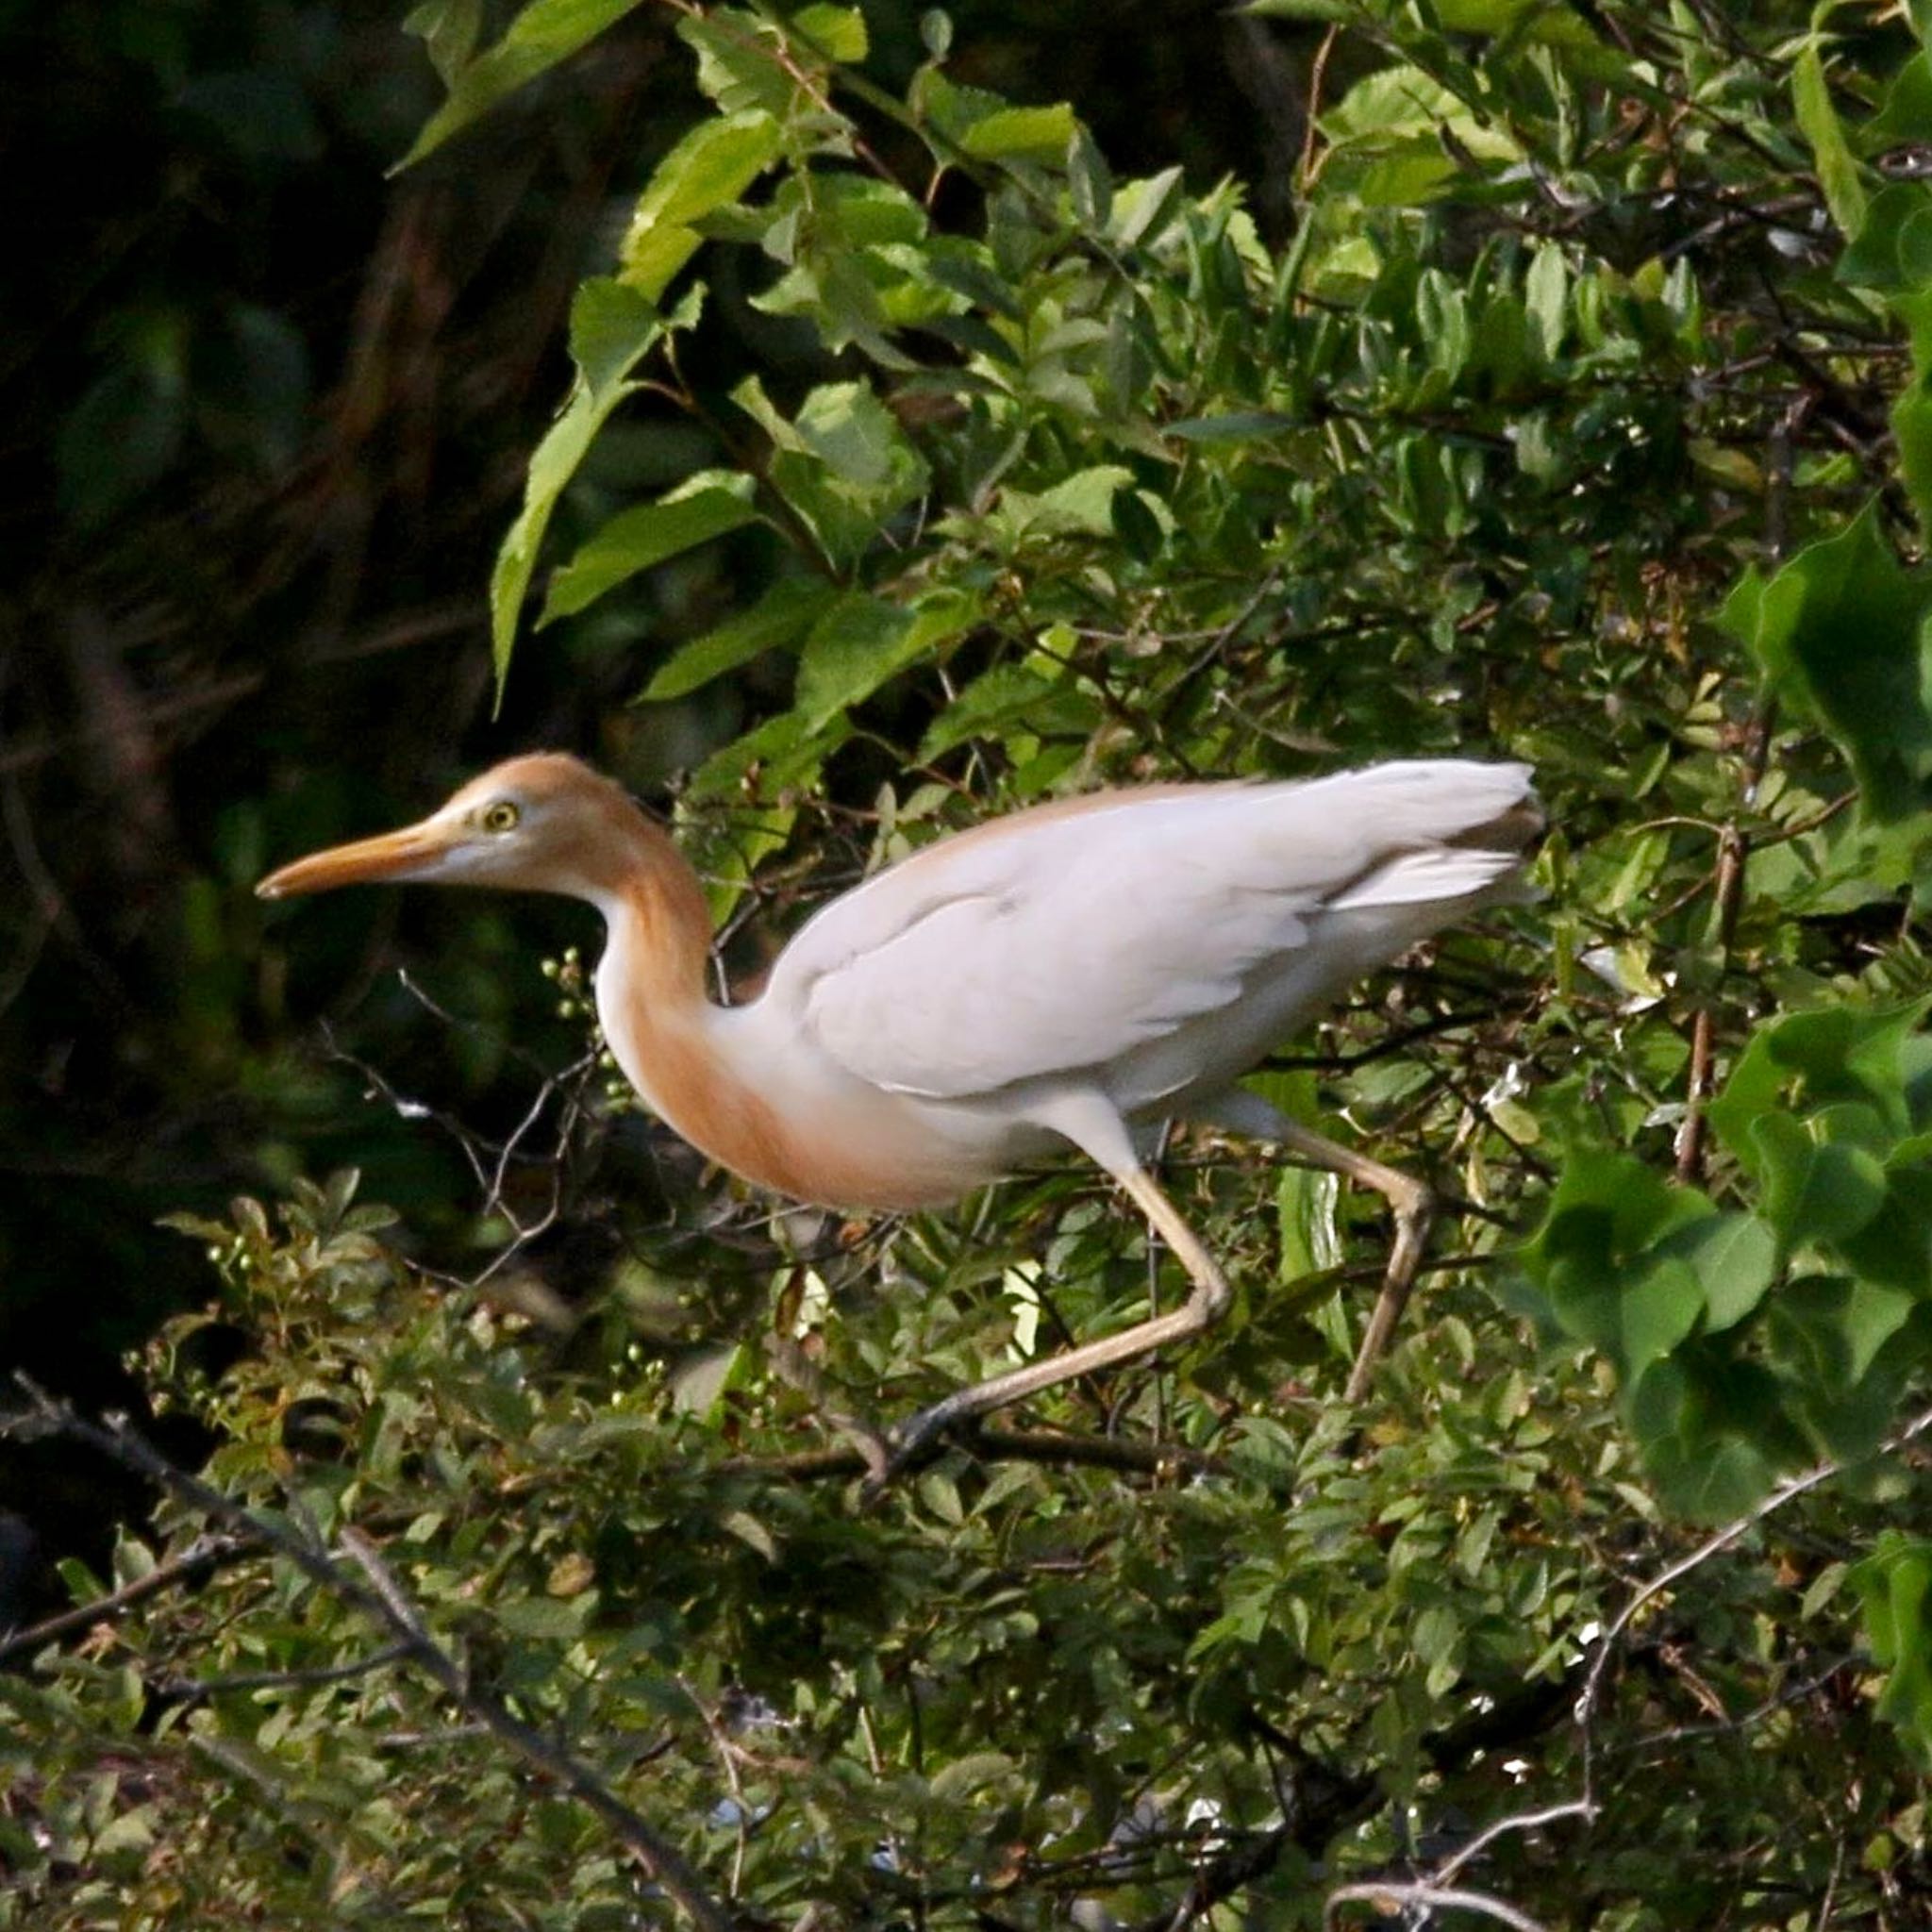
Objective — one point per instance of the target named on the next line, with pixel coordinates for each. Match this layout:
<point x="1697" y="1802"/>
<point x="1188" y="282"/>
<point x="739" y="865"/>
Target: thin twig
<point x="1054" y="1448"/>
<point x="1787" y="1492"/>
<point x="199" y="1560"/>
<point x="1518" y="1821"/>
<point x="192" y="1691"/>
<point x="1734" y="842"/>
<point x="1388" y="1895"/>
<point x="382" y="1598"/>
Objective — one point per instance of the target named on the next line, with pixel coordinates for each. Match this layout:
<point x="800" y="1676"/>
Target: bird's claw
<point x="905" y="1444"/>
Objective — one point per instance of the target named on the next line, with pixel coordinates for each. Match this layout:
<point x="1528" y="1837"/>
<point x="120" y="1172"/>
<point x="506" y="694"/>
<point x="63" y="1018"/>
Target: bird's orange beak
<point x="415" y="852"/>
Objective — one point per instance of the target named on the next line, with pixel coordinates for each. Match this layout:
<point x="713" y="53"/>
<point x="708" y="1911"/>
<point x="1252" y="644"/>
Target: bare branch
<point x="1391" y="1894"/>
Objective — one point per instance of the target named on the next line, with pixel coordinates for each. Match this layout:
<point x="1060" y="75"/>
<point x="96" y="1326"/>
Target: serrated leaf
<point x="853" y="433"/>
<point x="545" y="32"/>
<point x="1035" y="134"/>
<point x="1007" y="694"/>
<point x="862" y="640"/>
<point x="641" y="538"/>
<point x="1084" y="501"/>
<point x="710" y="168"/>
<point x="737" y="64"/>
<point x="785" y="611"/>
<point x="836" y="32"/>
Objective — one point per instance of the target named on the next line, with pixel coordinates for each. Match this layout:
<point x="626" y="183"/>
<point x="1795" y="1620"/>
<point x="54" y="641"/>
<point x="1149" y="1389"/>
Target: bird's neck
<point x="659" y="927"/>
<point x="668" y="1036"/>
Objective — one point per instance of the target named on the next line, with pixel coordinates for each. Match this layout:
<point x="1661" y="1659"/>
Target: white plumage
<point x="1063" y="975"/>
<point x="1077" y="945"/>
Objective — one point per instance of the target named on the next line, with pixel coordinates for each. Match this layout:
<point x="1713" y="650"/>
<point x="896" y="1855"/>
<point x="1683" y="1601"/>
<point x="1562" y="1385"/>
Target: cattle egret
<point x="1073" y="973"/>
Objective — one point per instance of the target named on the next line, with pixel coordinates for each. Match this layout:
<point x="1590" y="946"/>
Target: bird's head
<point x="544" y="823"/>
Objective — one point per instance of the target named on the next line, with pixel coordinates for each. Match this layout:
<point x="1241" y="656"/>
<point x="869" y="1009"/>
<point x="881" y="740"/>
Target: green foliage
<point x="1839" y="633"/>
<point x="1743" y="1339"/>
<point x="1893" y="1582"/>
<point x="1582" y="416"/>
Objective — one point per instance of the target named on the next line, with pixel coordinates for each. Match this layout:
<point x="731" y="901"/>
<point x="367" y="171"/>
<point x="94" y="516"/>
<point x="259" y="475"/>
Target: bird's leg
<point x="1411" y="1202"/>
<point x="1096" y="1127"/>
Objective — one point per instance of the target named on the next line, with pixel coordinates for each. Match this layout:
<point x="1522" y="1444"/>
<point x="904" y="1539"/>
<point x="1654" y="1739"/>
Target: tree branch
<point x="382" y="1598"/>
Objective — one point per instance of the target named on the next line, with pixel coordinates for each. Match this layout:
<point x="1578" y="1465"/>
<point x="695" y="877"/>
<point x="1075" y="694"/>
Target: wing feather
<point x="1064" y="937"/>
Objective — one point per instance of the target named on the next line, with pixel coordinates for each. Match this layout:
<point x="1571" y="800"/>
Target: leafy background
<point x="958" y="412"/>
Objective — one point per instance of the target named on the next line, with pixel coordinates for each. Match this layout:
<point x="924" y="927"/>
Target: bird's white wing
<point x="1062" y="937"/>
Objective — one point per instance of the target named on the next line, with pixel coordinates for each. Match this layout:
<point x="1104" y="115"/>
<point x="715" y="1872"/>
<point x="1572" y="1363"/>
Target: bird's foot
<point x="911" y="1444"/>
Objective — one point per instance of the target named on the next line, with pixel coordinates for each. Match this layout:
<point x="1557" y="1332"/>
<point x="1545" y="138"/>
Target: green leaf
<point x="1009" y="695"/>
<point x="738" y="62"/>
<point x="612" y="328"/>
<point x="1905" y="115"/>
<point x="751" y="1532"/>
<point x="1911" y="431"/>
<point x="449" y="30"/>
<point x="1892" y="251"/>
<point x="1815" y="1192"/>
<point x="545" y="32"/>
<point x="961" y="1777"/>
<point x="836" y="32"/>
<point x="853" y="434"/>
<point x="843" y="466"/>
<point x="1894" y="1248"/>
<point x="781" y="750"/>
<point x="1546" y="298"/>
<point x="1655" y="1312"/>
<point x="1831" y="1057"/>
<point x="556" y="1619"/>
<point x="1894" y="1586"/>
<point x="862" y="640"/>
<point x="1145" y="209"/>
<point x="1873" y="1316"/>
<point x="1303" y="9"/>
<point x="1236" y="425"/>
<point x="785" y="612"/>
<point x="1734" y="1257"/>
<point x="1841" y="633"/>
<point x="1305" y="1203"/>
<point x="1837" y="170"/>
<point x="1031" y="134"/>
<point x="636" y="540"/>
<point x="1090" y="180"/>
<point x="710" y="168"/>
<point x="1602" y="1258"/>
<point x="1084" y="501"/>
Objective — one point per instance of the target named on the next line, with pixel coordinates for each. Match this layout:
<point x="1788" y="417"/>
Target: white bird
<point x="1066" y="974"/>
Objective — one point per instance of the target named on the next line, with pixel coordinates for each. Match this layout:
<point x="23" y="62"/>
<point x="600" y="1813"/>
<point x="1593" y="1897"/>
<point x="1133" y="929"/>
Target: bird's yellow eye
<point x="501" y="816"/>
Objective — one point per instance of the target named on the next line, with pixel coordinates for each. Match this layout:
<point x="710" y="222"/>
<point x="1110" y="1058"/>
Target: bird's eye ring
<point x="501" y="816"/>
